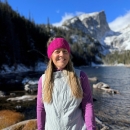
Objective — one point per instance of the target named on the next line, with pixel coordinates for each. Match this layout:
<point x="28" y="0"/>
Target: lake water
<point x="112" y="110"/>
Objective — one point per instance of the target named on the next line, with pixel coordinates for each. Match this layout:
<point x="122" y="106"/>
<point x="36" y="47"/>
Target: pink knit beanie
<point x="56" y="44"/>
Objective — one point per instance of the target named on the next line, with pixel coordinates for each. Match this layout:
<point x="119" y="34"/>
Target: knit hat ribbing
<point x="56" y="44"/>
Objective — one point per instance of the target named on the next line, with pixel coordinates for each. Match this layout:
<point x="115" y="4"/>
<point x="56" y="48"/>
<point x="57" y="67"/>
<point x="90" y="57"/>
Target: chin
<point x="61" y="67"/>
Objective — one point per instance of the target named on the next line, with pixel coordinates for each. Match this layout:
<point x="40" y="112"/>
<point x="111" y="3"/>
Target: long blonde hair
<point x="48" y="84"/>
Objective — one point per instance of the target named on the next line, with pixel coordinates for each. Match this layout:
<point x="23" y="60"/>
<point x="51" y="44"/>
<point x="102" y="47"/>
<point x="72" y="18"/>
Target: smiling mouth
<point x="61" y="59"/>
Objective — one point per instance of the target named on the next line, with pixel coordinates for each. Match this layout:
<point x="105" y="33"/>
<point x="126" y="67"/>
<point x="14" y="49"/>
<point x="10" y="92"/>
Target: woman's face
<point x="60" y="58"/>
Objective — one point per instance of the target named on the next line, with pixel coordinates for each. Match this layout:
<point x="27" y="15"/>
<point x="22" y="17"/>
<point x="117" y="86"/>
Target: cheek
<point x="53" y="57"/>
<point x="68" y="57"/>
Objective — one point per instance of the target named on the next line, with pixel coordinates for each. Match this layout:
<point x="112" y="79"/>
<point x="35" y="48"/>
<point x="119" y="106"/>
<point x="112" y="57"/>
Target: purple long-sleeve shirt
<point x="86" y="104"/>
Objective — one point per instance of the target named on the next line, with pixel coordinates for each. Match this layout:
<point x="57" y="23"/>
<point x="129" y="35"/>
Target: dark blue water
<point x="112" y="110"/>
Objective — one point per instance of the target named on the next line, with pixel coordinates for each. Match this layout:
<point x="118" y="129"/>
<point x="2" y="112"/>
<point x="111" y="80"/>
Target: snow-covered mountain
<point x="93" y="24"/>
<point x="119" y="40"/>
<point x="96" y="26"/>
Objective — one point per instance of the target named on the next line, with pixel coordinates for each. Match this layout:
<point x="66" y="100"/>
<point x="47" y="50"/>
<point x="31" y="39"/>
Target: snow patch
<point x="39" y="66"/>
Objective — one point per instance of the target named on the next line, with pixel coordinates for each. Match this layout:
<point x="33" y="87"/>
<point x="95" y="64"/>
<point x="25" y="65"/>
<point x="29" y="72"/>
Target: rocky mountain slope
<point x="119" y="40"/>
<point x="95" y="25"/>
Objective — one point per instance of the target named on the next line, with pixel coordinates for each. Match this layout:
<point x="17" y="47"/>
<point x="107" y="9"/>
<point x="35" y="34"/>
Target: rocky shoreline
<point x="28" y="108"/>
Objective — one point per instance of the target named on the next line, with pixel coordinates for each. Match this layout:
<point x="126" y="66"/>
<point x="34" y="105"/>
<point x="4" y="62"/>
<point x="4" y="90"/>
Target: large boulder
<point x="101" y="85"/>
<point x="105" y="87"/>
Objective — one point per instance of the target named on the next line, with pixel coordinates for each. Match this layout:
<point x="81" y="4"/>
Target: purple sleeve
<point x="87" y="103"/>
<point x="40" y="107"/>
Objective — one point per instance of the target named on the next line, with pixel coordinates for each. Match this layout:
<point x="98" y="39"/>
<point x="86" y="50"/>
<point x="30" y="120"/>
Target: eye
<point x="56" y="51"/>
<point x="65" y="51"/>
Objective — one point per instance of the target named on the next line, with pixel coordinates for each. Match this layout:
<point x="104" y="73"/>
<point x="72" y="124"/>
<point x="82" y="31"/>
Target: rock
<point x="94" y="79"/>
<point x="110" y="90"/>
<point x="30" y="88"/>
<point x="12" y="94"/>
<point x="30" y="85"/>
<point x="101" y="85"/>
<point x="94" y="99"/>
<point x="23" y="98"/>
<point x="2" y="94"/>
<point x="105" y="87"/>
<point x="104" y="127"/>
<point x="22" y="124"/>
<point x="18" y="107"/>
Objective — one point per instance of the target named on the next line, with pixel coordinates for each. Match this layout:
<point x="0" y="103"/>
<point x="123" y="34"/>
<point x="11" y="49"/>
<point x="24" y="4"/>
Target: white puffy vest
<point x="64" y="113"/>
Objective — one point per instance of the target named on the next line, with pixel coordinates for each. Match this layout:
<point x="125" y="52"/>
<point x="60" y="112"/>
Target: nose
<point x="61" y="53"/>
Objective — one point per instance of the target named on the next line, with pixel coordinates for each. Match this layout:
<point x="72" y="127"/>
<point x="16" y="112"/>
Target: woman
<point x="64" y="100"/>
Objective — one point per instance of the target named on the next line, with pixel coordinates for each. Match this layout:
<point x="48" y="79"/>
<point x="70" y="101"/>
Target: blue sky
<point x="117" y="11"/>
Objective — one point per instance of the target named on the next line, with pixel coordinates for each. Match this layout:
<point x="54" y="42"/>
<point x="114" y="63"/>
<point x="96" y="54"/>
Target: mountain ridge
<point x="96" y="25"/>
